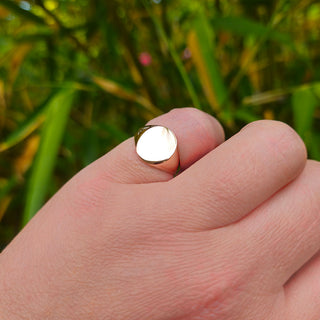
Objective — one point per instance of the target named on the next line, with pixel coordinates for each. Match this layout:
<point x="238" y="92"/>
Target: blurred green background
<point x="77" y="77"/>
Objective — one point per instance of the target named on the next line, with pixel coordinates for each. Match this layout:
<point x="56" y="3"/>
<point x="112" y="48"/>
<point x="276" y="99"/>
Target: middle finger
<point x="236" y="177"/>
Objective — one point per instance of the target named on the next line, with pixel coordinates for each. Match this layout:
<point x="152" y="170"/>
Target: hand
<point x="235" y="236"/>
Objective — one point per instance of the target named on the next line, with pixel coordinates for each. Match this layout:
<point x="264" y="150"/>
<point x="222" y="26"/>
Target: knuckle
<point x="281" y="133"/>
<point x="200" y="127"/>
<point x="191" y="111"/>
<point x="196" y="118"/>
<point x="210" y="126"/>
<point x="282" y="141"/>
<point x="207" y="129"/>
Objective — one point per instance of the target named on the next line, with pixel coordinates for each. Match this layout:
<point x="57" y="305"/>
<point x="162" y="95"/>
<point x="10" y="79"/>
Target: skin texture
<point x="235" y="236"/>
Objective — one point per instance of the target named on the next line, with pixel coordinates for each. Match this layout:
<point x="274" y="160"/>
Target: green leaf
<point x="57" y="115"/>
<point x="201" y="44"/>
<point x="26" y="128"/>
<point x="304" y="103"/>
<point x="246" y="115"/>
<point x="266" y="97"/>
<point x="114" y="131"/>
<point x="121" y="92"/>
<point x="28" y="15"/>
<point x="305" y="100"/>
<point x="314" y="147"/>
<point x="244" y="27"/>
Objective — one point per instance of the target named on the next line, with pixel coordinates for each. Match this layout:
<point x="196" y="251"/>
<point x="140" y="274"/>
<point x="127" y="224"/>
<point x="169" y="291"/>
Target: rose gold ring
<point x="158" y="146"/>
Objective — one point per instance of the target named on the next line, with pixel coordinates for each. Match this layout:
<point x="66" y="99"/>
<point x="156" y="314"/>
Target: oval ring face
<point x="155" y="144"/>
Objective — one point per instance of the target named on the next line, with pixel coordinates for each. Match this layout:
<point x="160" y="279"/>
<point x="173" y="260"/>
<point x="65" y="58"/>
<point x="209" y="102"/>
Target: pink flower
<point x="145" y="58"/>
<point x="186" y="54"/>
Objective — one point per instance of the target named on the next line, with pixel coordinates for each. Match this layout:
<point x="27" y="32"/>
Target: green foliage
<point x="244" y="27"/>
<point x="305" y="101"/>
<point x="24" y="129"/>
<point x="57" y="113"/>
<point x="129" y="61"/>
<point x="24" y="14"/>
<point x="202" y="48"/>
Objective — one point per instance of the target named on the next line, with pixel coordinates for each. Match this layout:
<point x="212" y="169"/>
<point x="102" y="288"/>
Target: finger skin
<point x="302" y="290"/>
<point x="284" y="233"/>
<point x="235" y="178"/>
<point x="197" y="134"/>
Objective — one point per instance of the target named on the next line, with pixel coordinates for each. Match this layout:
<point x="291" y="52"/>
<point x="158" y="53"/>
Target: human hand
<point x="235" y="236"/>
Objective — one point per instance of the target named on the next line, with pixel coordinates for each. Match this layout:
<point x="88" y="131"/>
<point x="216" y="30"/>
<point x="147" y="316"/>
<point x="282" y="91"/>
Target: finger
<point x="303" y="292"/>
<point x="238" y="176"/>
<point x="197" y="134"/>
<point x="284" y="233"/>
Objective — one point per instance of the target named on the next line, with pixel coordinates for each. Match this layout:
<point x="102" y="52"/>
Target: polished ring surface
<point x="158" y="146"/>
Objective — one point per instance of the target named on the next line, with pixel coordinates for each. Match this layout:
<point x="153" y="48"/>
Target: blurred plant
<point x="79" y="77"/>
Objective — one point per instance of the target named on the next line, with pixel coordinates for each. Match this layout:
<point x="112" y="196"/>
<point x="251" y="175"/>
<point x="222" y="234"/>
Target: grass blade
<point x="314" y="148"/>
<point x="304" y="103"/>
<point x="57" y="115"/>
<point x="123" y="93"/>
<point x="246" y="115"/>
<point x="272" y="96"/>
<point x="26" y="128"/>
<point x="305" y="100"/>
<point x="202" y="48"/>
<point x="114" y="131"/>
<point x="175" y="56"/>
<point x="244" y="27"/>
<point x="277" y="17"/>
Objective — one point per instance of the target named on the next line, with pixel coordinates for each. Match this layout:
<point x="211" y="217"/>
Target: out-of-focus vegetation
<point x="79" y="76"/>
